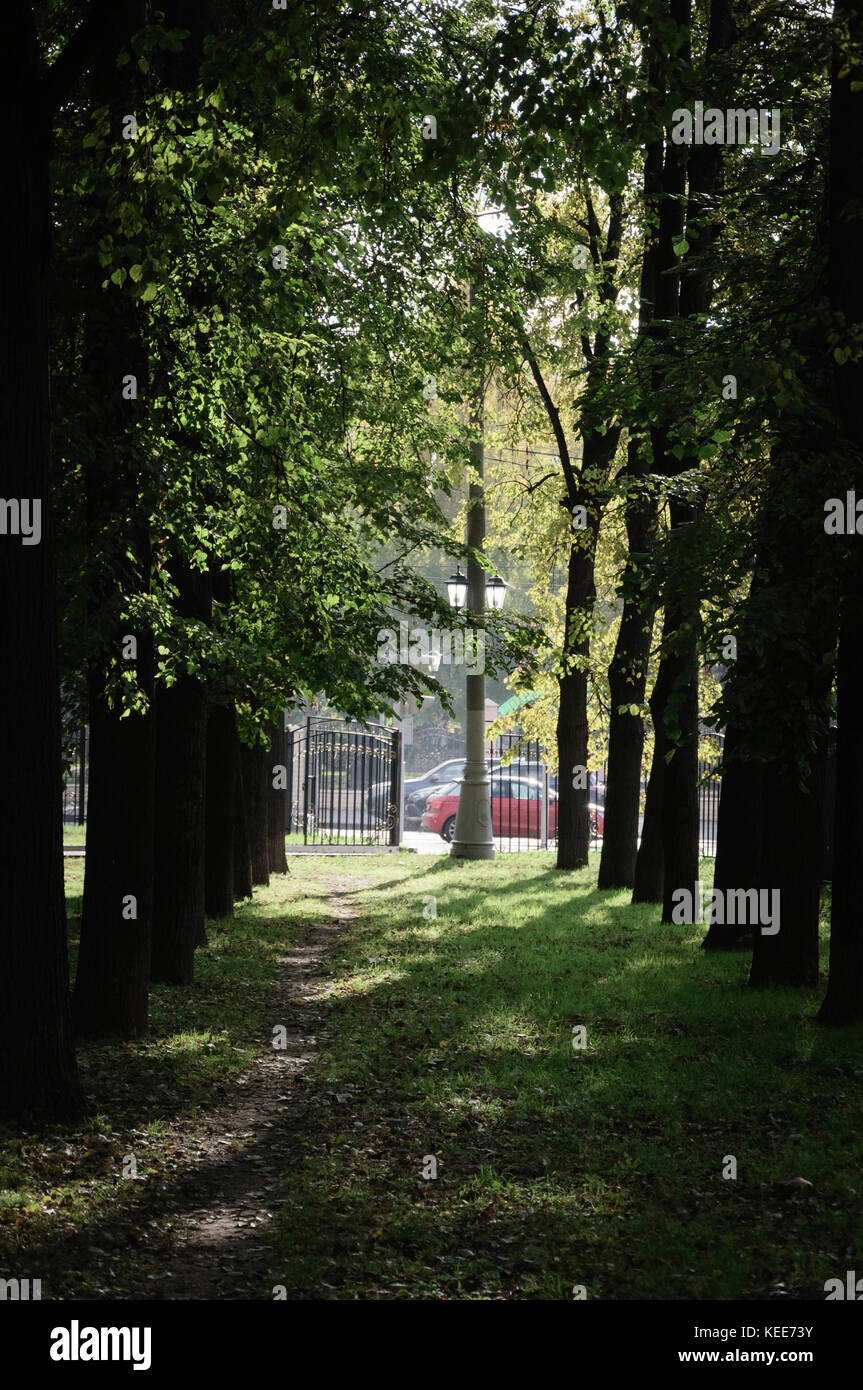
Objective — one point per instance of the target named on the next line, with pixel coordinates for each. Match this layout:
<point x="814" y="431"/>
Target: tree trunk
<point x="277" y="800"/>
<point x="255" y="762"/>
<point x="242" y="851"/>
<point x="221" y="799"/>
<point x="112" y="983"/>
<point x="650" y="862"/>
<point x="843" y="1002"/>
<point x="178" y="900"/>
<point x="573" y="822"/>
<point x="37" y="1061"/>
<point x="790" y="865"/>
<point x="738" y="835"/>
<point x="627" y="679"/>
<point x="627" y="674"/>
<point x="178" y="890"/>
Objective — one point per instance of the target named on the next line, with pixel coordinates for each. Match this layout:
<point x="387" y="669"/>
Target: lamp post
<point x="473" y="837"/>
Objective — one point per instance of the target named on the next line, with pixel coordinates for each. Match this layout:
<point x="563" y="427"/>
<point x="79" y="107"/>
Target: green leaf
<point x="135" y="272"/>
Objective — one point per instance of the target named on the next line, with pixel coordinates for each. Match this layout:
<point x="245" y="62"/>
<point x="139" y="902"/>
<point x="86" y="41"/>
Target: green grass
<point x="64" y="1203"/>
<point x="452" y="1037"/>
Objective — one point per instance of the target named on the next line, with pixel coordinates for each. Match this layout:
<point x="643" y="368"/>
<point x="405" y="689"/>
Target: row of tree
<point x="238" y="265"/>
<point x="240" y="347"/>
<point x="685" y="321"/>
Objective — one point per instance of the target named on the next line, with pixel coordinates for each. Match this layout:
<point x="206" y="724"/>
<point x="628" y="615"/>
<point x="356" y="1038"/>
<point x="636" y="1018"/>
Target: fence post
<point x="306" y="783"/>
<point x="543" y="833"/>
<point x="289" y="778"/>
<point x="396" y="787"/>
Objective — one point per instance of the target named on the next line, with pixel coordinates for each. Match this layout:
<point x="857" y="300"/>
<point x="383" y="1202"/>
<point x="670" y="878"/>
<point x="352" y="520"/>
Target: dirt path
<point x="226" y="1251"/>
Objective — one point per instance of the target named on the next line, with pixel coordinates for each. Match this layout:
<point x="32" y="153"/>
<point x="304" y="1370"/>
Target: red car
<point x="516" y="808"/>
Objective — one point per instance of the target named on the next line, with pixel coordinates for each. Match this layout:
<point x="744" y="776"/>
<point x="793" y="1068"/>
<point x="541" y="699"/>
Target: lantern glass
<point x="456" y="587"/>
<point x="495" y="592"/>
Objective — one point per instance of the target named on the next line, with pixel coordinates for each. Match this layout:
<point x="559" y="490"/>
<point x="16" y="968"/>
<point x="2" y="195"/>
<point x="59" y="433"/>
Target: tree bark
<point x="112" y="983"/>
<point x="255" y="762"/>
<point x="738" y="834"/>
<point x="178" y="893"/>
<point x="843" y="1002"/>
<point x="277" y="800"/>
<point x="37" y="1061"/>
<point x="242" y="850"/>
<point x="627" y="674"/>
<point x="178" y="910"/>
<point x="650" y="861"/>
<point x="627" y="680"/>
<point x="573" y="822"/>
<point x="221" y="799"/>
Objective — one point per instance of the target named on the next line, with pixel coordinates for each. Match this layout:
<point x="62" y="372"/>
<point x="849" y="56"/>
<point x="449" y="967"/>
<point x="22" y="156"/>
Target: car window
<point x="528" y="791"/>
<point x="501" y="788"/>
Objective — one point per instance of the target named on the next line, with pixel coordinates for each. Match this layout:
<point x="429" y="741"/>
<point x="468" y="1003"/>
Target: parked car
<point x="516" y="808"/>
<point x="434" y="779"/>
<point x="533" y="771"/>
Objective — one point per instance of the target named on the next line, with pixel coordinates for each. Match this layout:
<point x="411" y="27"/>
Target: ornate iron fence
<point x="344" y="783"/>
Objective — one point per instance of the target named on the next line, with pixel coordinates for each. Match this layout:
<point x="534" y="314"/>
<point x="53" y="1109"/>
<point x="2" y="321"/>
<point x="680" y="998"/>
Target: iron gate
<point x="344" y="783"/>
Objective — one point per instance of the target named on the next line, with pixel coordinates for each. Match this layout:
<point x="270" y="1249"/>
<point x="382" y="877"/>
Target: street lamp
<point x="473" y="838"/>
<point x="495" y="591"/>
<point x="456" y="588"/>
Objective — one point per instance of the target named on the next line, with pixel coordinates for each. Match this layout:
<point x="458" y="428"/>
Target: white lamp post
<point x="473" y="838"/>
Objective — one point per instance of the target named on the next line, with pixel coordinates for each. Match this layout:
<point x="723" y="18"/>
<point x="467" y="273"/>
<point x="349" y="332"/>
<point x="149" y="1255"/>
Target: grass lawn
<point x="452" y="1038"/>
<point x="449" y="1036"/>
<point x="65" y="1207"/>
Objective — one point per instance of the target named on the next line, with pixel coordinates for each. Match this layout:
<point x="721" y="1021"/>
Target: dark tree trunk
<point x="112" y="982"/>
<point x="790" y="860"/>
<point x="573" y="823"/>
<point x="242" y="851"/>
<point x="178" y="899"/>
<point x="221" y="799"/>
<point x="627" y="674"/>
<point x="680" y="801"/>
<point x="627" y="679"/>
<point x="650" y="861"/>
<point x="255" y="762"/>
<point x="178" y="889"/>
<point x="738" y="835"/>
<point x="843" y="1002"/>
<point x="37" y="1062"/>
<point x="277" y="800"/>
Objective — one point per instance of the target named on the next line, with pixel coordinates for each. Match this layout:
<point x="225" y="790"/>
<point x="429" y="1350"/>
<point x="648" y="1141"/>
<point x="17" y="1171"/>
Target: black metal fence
<point x="76" y="754"/>
<point x="524" y="798"/>
<point x="344" y="783"/>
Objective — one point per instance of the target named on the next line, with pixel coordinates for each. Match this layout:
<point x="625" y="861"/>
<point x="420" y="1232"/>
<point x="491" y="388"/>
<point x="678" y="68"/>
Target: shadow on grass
<point x="607" y="1159"/>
